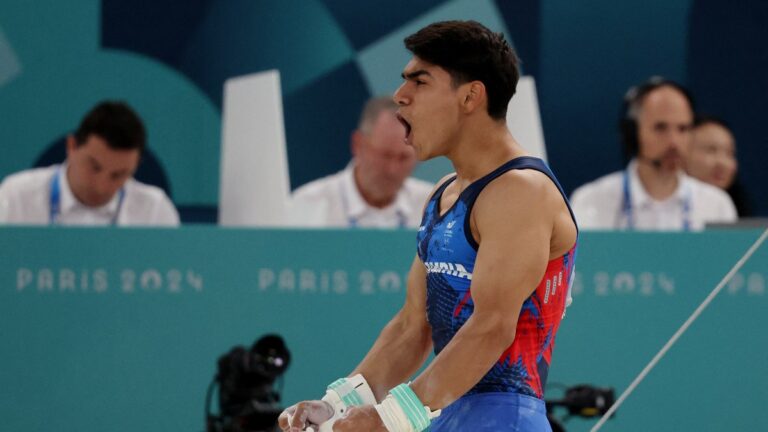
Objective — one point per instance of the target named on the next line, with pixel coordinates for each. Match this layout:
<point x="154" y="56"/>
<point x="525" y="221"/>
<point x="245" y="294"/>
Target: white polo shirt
<point x="335" y="202"/>
<point x="601" y="204"/>
<point x="25" y="199"/>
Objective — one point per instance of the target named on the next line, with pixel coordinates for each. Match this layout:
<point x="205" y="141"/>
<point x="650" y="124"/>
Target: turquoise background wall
<point x="169" y="59"/>
<point x="98" y="337"/>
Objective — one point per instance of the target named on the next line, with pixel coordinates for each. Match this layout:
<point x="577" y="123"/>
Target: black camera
<point x="583" y="401"/>
<point x="248" y="399"/>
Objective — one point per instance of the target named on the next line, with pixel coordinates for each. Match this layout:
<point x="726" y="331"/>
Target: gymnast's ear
<point x="473" y="96"/>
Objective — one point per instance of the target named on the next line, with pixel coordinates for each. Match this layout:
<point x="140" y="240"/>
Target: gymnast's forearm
<point x="464" y="360"/>
<point x="401" y="348"/>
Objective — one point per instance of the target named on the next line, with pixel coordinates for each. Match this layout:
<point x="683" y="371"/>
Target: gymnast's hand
<point x="360" y="418"/>
<point x="305" y="414"/>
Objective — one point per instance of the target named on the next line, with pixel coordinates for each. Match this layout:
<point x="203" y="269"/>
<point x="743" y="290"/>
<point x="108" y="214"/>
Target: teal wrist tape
<point x="411" y="406"/>
<point x="346" y="392"/>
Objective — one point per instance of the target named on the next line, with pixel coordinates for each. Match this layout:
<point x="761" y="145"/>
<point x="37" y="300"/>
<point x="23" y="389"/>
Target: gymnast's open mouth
<point x="405" y="124"/>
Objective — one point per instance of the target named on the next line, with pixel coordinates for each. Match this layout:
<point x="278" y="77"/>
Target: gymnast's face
<point x="429" y="108"/>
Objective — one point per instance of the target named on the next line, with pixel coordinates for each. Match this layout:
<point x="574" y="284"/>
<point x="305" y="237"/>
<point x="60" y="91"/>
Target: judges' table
<point x="120" y="329"/>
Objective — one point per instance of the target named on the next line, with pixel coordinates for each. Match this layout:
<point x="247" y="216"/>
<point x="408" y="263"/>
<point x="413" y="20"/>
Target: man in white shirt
<point x="653" y="192"/>
<point x="95" y="185"/>
<point x="375" y="189"/>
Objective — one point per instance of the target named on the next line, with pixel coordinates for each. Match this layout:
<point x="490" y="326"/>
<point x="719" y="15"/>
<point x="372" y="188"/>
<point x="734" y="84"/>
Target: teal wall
<point x="120" y="330"/>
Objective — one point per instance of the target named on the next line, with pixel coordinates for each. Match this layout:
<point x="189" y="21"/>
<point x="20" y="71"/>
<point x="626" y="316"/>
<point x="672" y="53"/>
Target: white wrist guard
<point x="402" y="411"/>
<point x="344" y="393"/>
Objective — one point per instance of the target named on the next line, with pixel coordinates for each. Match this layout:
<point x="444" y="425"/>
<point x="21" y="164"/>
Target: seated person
<point x="653" y="192"/>
<point x="95" y="185"/>
<point x="712" y="159"/>
<point x="375" y="189"/>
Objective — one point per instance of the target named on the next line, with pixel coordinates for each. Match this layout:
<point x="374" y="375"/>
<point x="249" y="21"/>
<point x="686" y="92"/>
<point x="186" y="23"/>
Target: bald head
<point x="664" y="120"/>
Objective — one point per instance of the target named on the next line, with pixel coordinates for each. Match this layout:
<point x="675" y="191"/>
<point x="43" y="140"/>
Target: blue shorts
<point x="493" y="412"/>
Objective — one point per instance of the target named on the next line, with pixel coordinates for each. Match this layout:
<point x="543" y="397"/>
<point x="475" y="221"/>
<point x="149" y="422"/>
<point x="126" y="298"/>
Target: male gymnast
<point x="495" y="256"/>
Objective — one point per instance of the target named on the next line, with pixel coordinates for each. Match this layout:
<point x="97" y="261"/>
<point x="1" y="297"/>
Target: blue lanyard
<point x="629" y="215"/>
<point x="56" y="199"/>
<point x="353" y="221"/>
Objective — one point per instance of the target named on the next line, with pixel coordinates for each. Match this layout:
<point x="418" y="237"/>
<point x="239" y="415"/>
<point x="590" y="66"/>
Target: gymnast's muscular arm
<point x="404" y="343"/>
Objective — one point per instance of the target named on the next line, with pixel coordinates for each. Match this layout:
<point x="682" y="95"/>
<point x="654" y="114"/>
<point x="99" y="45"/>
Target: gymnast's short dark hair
<point x="469" y="51"/>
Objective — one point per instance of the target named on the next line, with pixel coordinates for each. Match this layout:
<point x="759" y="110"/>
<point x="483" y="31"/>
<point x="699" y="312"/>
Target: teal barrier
<point x="120" y="330"/>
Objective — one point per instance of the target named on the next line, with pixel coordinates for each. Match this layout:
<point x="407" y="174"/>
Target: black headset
<point x="633" y="99"/>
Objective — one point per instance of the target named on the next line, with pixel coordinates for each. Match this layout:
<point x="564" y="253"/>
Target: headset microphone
<point x="656" y="163"/>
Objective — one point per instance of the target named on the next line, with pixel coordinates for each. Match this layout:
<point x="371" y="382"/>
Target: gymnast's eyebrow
<point x="415" y="74"/>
